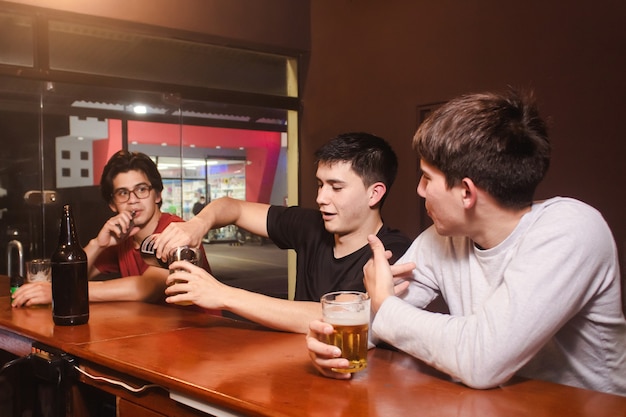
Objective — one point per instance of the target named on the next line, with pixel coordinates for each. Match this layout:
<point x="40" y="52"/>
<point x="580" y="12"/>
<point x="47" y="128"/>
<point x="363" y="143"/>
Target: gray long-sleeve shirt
<point x="545" y="303"/>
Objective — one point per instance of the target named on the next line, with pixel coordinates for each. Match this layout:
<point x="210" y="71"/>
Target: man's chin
<point x="329" y="226"/>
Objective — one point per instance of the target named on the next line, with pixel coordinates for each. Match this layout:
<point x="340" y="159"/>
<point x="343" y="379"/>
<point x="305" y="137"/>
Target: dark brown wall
<point x="373" y="62"/>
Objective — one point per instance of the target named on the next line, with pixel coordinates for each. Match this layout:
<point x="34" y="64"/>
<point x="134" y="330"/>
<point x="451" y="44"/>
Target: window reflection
<point x="57" y="136"/>
<point x="64" y="147"/>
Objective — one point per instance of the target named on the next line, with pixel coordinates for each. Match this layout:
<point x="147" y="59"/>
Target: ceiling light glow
<point x="140" y="109"/>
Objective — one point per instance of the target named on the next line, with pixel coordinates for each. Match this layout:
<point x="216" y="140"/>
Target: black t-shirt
<point x="318" y="271"/>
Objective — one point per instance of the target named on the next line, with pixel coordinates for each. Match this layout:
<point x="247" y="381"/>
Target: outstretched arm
<point x="148" y="287"/>
<point x="204" y="290"/>
<point x="221" y="212"/>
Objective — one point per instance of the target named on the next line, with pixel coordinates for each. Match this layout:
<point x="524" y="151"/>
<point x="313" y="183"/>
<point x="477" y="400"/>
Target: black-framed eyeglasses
<point x="122" y="195"/>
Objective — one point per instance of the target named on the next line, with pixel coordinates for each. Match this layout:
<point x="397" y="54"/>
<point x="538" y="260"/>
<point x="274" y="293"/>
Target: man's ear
<point x="113" y="208"/>
<point x="377" y="191"/>
<point x="469" y="193"/>
<point x="157" y="199"/>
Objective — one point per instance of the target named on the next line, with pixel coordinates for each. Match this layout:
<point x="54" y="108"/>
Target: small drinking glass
<point x="39" y="270"/>
<point x="187" y="254"/>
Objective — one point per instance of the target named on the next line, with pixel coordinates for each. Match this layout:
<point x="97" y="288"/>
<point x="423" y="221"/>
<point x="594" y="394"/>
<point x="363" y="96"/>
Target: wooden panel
<point x="127" y="409"/>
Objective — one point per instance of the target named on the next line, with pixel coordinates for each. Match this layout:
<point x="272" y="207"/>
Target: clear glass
<point x="349" y="313"/>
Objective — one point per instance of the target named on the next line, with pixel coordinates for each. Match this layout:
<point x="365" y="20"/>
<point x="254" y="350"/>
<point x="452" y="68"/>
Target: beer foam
<point x="39" y="276"/>
<point x="352" y="319"/>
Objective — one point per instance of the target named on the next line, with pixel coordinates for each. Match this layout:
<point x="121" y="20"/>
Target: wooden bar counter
<point x="226" y="367"/>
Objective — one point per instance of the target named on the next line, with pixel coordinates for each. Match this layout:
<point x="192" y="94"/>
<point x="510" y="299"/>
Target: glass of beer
<point x="349" y="313"/>
<point x="183" y="253"/>
<point x="39" y="270"/>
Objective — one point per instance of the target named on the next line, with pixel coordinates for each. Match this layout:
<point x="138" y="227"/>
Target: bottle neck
<point x="67" y="234"/>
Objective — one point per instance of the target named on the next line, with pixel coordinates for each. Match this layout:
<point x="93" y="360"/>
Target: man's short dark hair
<point x="371" y="157"/>
<point x="497" y="140"/>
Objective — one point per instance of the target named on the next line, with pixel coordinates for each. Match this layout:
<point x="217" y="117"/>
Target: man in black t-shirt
<point x="354" y="173"/>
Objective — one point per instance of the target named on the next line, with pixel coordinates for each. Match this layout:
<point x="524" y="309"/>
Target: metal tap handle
<point x="15" y="244"/>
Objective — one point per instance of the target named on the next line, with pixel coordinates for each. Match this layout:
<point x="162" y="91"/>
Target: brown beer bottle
<point x="70" y="291"/>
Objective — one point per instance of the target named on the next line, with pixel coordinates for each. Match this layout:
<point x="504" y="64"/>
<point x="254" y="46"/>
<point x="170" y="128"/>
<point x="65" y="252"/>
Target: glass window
<point x="99" y="50"/>
<point x="16" y="40"/>
<point x="57" y="136"/>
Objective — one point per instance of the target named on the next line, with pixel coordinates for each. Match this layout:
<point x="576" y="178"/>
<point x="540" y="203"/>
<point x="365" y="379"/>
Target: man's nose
<point x="322" y="196"/>
<point x="420" y="188"/>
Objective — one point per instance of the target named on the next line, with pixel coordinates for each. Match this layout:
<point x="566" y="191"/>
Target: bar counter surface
<point x="237" y="368"/>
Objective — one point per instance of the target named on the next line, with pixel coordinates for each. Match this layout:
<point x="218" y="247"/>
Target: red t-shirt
<point x="126" y="260"/>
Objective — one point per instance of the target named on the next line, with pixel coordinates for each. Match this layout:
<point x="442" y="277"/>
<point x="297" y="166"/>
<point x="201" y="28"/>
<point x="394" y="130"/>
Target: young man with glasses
<point x="132" y="186"/>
